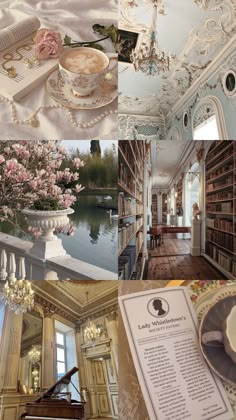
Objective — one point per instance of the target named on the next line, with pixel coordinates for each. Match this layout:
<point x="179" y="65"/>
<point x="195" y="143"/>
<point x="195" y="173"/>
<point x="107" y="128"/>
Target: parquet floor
<point x="172" y="247"/>
<point x="172" y="261"/>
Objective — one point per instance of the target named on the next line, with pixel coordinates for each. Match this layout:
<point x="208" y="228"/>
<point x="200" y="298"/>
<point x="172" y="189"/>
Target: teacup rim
<point x="201" y="344"/>
<point x="83" y="74"/>
<point x="208" y="310"/>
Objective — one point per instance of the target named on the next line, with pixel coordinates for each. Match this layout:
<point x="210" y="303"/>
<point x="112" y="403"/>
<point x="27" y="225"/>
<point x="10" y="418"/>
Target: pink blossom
<point x="30" y="171"/>
<point x="75" y="177"/>
<point x="41" y="172"/>
<point x="78" y="188"/>
<point x="71" y="230"/>
<point x="48" y="44"/>
<point x="35" y="231"/>
<point x="11" y="164"/>
<point x="43" y="193"/>
<point x="33" y="184"/>
<point x="78" y="163"/>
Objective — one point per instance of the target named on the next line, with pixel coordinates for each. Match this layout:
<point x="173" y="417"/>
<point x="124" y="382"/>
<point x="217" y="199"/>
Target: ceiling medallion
<point x="149" y="58"/>
<point x="18" y="295"/>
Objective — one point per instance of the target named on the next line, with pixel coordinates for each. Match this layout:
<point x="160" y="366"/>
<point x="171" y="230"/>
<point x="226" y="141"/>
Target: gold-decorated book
<point x="176" y="382"/>
<point x="16" y="45"/>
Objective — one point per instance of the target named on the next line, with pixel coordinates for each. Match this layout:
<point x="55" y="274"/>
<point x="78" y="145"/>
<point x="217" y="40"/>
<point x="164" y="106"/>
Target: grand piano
<point x="54" y="403"/>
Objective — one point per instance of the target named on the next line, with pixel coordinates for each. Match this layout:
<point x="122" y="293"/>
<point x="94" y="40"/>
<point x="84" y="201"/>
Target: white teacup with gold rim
<point x="227" y="336"/>
<point x="83" y="69"/>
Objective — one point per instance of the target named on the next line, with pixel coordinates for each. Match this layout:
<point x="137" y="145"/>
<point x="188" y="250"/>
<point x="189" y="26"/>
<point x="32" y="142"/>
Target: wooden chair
<point x="155" y="236"/>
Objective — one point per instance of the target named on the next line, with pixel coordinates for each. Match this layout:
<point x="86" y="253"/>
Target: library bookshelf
<point x="154" y="210"/>
<point x="130" y="209"/>
<point x="179" y="190"/>
<point x="220" y="188"/>
<point x="164" y="208"/>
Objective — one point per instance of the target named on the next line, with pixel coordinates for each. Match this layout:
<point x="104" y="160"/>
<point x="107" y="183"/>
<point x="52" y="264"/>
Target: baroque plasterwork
<point x="203" y="45"/>
<point x="55" y="299"/>
<point x="127" y="124"/>
<point x="128" y="22"/>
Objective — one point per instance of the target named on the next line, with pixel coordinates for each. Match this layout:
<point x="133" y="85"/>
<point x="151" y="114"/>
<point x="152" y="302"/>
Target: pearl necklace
<point x="33" y="120"/>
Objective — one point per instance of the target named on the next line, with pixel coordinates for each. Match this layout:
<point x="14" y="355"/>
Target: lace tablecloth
<point x="131" y="402"/>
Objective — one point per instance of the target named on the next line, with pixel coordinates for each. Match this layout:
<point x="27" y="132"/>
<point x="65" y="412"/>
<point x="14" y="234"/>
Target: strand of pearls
<point x="33" y="120"/>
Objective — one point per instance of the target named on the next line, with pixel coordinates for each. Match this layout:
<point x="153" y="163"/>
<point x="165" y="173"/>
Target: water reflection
<point x="96" y="236"/>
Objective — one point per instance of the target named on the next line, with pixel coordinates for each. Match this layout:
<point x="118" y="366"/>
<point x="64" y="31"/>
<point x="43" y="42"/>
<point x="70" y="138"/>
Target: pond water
<point x="96" y="238"/>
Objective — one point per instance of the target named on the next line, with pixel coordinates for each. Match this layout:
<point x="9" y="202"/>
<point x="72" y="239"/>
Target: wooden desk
<point x="174" y="229"/>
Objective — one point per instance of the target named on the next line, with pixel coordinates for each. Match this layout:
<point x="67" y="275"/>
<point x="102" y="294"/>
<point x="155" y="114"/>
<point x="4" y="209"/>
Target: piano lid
<point x="65" y="380"/>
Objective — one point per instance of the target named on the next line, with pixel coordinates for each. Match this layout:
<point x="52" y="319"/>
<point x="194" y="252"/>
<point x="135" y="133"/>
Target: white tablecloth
<point x="75" y="18"/>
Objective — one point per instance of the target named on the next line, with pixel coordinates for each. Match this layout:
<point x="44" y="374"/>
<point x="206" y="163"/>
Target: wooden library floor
<point x="172" y="247"/>
<point x="172" y="260"/>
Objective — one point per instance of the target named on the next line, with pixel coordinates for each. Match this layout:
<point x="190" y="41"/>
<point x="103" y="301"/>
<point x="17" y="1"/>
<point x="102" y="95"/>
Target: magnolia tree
<point x="31" y="177"/>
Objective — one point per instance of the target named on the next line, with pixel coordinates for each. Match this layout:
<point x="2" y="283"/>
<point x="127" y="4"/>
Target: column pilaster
<point x="112" y="331"/>
<point x="11" y="351"/>
<point x="48" y="351"/>
<point x="81" y="362"/>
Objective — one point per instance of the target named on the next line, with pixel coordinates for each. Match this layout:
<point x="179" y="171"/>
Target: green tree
<point x="95" y="148"/>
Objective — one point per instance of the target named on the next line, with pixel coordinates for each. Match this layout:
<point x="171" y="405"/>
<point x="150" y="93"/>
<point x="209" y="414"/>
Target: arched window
<point x="208" y="120"/>
<point x="192" y="190"/>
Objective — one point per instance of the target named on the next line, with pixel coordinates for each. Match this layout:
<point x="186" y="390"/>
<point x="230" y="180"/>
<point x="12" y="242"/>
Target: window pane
<point x="60" y="354"/>
<point x="60" y="338"/>
<point x="60" y="369"/>
<point x="207" y="130"/>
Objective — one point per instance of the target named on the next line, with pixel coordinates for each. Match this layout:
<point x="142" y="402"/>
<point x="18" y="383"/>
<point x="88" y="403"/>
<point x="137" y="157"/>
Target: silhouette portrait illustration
<point x="157" y="305"/>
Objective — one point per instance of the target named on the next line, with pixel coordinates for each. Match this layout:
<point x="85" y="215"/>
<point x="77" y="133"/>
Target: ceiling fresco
<point x="194" y="31"/>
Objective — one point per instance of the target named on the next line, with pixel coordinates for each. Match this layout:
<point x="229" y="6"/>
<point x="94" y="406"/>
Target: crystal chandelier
<point x="149" y="58"/>
<point x="34" y="355"/>
<point x="18" y="295"/>
<point x="91" y="333"/>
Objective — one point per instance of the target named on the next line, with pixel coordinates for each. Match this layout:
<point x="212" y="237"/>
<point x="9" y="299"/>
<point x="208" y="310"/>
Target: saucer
<point x="62" y="93"/>
<point x="216" y="357"/>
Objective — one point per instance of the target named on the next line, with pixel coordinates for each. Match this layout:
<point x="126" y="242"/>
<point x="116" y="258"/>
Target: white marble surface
<point x="74" y="18"/>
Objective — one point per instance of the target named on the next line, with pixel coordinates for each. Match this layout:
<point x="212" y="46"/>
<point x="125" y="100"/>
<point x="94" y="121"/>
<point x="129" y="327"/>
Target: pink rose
<point x="48" y="44"/>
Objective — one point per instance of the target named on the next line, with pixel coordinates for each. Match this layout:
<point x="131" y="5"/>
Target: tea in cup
<point x="83" y="69"/>
<point x="227" y="336"/>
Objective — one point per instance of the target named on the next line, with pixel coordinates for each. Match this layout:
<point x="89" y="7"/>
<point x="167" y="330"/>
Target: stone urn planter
<point x="47" y="245"/>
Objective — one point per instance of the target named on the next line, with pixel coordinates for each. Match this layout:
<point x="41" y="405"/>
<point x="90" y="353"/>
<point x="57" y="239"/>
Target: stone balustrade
<point x="16" y="261"/>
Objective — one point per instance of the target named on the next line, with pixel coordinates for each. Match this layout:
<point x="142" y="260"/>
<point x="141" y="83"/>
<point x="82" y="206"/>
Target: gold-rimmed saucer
<point x="103" y="95"/>
<point x="212" y="320"/>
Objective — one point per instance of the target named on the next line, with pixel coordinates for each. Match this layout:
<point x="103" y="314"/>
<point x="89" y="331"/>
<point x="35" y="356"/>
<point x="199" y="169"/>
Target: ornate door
<point x="101" y="388"/>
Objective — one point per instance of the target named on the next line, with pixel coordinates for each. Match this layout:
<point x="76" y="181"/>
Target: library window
<point x="60" y="354"/>
<point x="192" y="189"/>
<point x="207" y="130"/>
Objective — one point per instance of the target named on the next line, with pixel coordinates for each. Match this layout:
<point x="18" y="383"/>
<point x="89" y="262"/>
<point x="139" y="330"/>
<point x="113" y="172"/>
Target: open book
<point x="16" y="45"/>
<point x="176" y="382"/>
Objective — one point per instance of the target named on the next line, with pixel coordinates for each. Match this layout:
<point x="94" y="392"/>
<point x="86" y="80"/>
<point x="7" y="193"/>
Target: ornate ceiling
<point x="193" y="30"/>
<point x="71" y="300"/>
<point x="166" y="164"/>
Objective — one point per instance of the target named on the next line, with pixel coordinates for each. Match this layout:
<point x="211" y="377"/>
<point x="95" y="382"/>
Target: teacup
<point x="83" y="69"/>
<point x="227" y="336"/>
